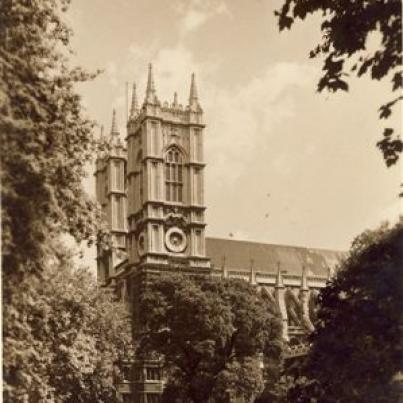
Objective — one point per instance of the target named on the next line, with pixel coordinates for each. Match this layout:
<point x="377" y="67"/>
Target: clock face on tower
<point x="175" y="240"/>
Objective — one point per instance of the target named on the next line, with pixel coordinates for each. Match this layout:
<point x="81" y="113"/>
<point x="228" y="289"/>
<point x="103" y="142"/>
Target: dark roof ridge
<point x="273" y="244"/>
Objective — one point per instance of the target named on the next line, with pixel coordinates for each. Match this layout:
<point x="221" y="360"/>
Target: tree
<point x="210" y="334"/>
<point x="45" y="138"/>
<point x="357" y="346"/>
<point x="66" y="338"/>
<point x="346" y="28"/>
<point x="45" y="143"/>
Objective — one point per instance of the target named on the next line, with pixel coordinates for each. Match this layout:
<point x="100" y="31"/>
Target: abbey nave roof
<point x="262" y="257"/>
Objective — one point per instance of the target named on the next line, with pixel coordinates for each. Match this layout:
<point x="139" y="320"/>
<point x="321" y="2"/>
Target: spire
<point x="279" y="278"/>
<point x="194" y="105"/>
<point x="151" y="97"/>
<point x="304" y="280"/>
<point x="114" y="128"/>
<point x="101" y="135"/>
<point x="175" y="103"/>
<point x="134" y="106"/>
<point x="115" y="136"/>
<point x="193" y="90"/>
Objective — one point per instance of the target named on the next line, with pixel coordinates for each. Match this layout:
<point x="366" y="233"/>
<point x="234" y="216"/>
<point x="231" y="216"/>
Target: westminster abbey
<point x="151" y="189"/>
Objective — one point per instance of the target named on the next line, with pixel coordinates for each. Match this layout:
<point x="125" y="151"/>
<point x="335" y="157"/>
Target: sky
<point x="285" y="165"/>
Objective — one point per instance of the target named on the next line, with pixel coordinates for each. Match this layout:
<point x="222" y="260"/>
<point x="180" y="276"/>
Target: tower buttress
<point x="279" y="294"/>
<point x="304" y="300"/>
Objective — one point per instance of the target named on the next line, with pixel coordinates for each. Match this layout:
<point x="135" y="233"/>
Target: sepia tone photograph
<point x="201" y="201"/>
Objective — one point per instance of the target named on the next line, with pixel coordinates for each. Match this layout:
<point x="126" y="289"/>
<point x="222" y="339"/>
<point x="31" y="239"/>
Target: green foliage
<point x="357" y="351"/>
<point x="210" y="333"/>
<point x="45" y="139"/>
<point x="65" y="337"/>
<point x="346" y="27"/>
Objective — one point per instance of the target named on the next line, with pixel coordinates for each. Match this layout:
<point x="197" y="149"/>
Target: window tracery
<point x="174" y="175"/>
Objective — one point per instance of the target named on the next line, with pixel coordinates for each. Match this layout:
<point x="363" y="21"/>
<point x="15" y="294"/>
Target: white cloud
<point x="140" y="54"/>
<point x="196" y="13"/>
<point x="173" y="69"/>
<point x="241" y="120"/>
<point x="193" y="20"/>
<point x="112" y="73"/>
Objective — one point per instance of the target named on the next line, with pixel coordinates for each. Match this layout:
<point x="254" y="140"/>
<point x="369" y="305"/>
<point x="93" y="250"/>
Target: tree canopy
<point x="346" y="28"/>
<point x="211" y="335"/>
<point x="65" y="338"/>
<point x="357" y="346"/>
<point x="45" y="138"/>
<point x="60" y="334"/>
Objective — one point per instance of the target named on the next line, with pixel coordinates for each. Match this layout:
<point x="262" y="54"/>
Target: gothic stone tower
<point x="165" y="184"/>
<point x="161" y="177"/>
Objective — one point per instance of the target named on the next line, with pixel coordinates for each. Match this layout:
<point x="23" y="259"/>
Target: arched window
<point x="173" y="175"/>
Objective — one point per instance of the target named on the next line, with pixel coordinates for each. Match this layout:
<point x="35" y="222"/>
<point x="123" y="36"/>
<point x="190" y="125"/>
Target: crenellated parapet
<point x="174" y="112"/>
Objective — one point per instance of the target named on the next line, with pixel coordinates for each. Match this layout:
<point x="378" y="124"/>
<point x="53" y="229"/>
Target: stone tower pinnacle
<point x="114" y="128"/>
<point x="193" y="97"/>
<point x="193" y="89"/>
<point x="175" y="103"/>
<point x="279" y="277"/>
<point x="151" y="97"/>
<point x="304" y="280"/>
<point x="134" y="106"/>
